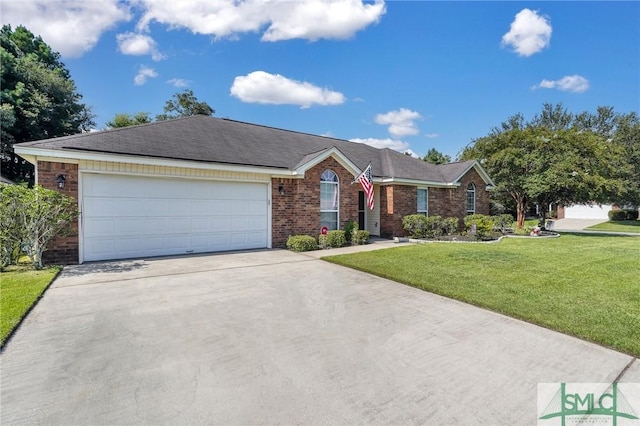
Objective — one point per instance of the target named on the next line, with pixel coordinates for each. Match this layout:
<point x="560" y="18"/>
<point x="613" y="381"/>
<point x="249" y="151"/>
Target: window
<point x="423" y="201"/>
<point x="471" y="198"/>
<point x="329" y="200"/>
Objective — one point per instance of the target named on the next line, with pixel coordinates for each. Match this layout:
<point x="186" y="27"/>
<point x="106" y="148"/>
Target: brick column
<point x="61" y="249"/>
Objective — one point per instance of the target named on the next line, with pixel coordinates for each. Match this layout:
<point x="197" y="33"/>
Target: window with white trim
<point x="471" y="198"/>
<point x="423" y="201"/>
<point x="329" y="200"/>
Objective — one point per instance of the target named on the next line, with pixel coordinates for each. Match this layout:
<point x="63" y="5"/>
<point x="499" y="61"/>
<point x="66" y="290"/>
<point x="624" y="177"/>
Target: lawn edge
<point x="7" y="339"/>
<point x="481" y="306"/>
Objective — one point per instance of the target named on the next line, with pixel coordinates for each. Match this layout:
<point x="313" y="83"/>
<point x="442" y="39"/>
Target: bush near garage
<point x="29" y="219"/>
<point x="623" y="214"/>
<point x="300" y="243"/>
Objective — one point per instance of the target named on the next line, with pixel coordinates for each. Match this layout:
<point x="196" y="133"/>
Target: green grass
<point x="20" y="287"/>
<point x="583" y="285"/>
<point x="620" y="226"/>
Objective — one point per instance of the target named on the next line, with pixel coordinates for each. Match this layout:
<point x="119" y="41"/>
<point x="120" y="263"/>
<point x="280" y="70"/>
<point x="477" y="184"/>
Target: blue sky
<point x="409" y="75"/>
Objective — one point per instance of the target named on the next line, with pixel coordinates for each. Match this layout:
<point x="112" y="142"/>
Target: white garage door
<point x="127" y="216"/>
<point x="587" y="211"/>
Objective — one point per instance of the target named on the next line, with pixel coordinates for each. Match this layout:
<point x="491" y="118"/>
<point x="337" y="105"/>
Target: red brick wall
<point x="397" y="201"/>
<point x="62" y="249"/>
<point x="297" y="212"/>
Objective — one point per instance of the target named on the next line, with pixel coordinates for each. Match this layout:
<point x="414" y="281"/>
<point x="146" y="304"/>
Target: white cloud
<point x="431" y="135"/>
<point x="401" y="122"/>
<point x="179" y="82"/>
<point x="394" y="144"/>
<point x="529" y="33"/>
<point x="138" y="44"/>
<point x="318" y="19"/>
<point x="71" y="27"/>
<point x="144" y="73"/>
<point x="569" y="83"/>
<point x="284" y="20"/>
<point x="264" y="88"/>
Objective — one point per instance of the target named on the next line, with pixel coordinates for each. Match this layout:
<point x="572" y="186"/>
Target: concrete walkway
<point x="274" y="337"/>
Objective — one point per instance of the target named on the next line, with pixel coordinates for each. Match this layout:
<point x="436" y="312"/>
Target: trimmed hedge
<point x="333" y="239"/>
<point x="623" y="214"/>
<point x="301" y="243"/>
<point x="484" y="224"/>
<point x="360" y="237"/>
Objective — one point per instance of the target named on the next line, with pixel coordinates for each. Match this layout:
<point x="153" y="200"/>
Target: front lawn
<point x="583" y="285"/>
<point x="619" y="226"/>
<point x="20" y="287"/>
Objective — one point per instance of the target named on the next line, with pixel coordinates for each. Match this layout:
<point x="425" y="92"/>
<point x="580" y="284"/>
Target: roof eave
<point x="32" y="155"/>
<point x="416" y="182"/>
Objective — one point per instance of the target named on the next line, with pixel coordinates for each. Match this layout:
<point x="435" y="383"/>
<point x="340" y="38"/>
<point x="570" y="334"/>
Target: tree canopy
<point x="39" y="100"/>
<point x="126" y="120"/>
<point x="559" y="158"/>
<point x="436" y="157"/>
<point x="181" y="104"/>
<point x="184" y="104"/>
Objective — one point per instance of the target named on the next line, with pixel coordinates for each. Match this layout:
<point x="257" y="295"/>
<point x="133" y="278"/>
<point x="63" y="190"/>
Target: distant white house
<point x="585" y="211"/>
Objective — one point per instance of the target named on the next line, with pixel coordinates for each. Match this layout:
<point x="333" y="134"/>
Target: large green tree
<point x="39" y="100"/>
<point x="551" y="159"/>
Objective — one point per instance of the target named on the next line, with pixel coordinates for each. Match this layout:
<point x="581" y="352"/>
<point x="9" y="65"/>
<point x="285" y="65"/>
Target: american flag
<point x="367" y="184"/>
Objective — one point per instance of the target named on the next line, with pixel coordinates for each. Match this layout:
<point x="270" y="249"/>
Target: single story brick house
<point x="202" y="184"/>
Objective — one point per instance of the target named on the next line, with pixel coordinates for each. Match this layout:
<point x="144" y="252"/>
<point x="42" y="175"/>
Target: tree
<point x="627" y="136"/>
<point x="39" y="99"/>
<point x="436" y="157"/>
<point x="126" y="120"/>
<point x="31" y="217"/>
<point x="184" y="104"/>
<point x="550" y="160"/>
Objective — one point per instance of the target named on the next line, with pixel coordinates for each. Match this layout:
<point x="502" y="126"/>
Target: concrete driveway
<point x="273" y="337"/>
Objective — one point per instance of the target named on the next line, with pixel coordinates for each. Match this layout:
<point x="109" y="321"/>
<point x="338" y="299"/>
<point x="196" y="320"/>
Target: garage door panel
<point x="587" y="211"/>
<point x="255" y="223"/>
<point x="130" y="216"/>
<point x="99" y="227"/>
<point x="200" y="224"/>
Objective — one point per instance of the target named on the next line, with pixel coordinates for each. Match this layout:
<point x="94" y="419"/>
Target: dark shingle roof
<point x="215" y="140"/>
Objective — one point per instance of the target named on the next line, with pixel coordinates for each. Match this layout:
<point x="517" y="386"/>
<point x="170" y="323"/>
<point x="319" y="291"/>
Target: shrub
<point x="301" y="243"/>
<point x="502" y="223"/>
<point x="360" y="237"/>
<point x="484" y="224"/>
<point x="623" y="214"/>
<point x="415" y="225"/>
<point x="333" y="239"/>
<point x="349" y="227"/>
<point x="433" y="227"/>
<point x="30" y="218"/>
<point x="450" y="225"/>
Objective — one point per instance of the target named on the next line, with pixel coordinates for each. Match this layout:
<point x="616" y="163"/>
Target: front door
<point x="361" y="211"/>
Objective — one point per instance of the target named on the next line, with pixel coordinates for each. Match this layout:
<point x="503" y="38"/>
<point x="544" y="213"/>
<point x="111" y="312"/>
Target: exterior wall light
<point x="281" y="189"/>
<point x="61" y="181"/>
